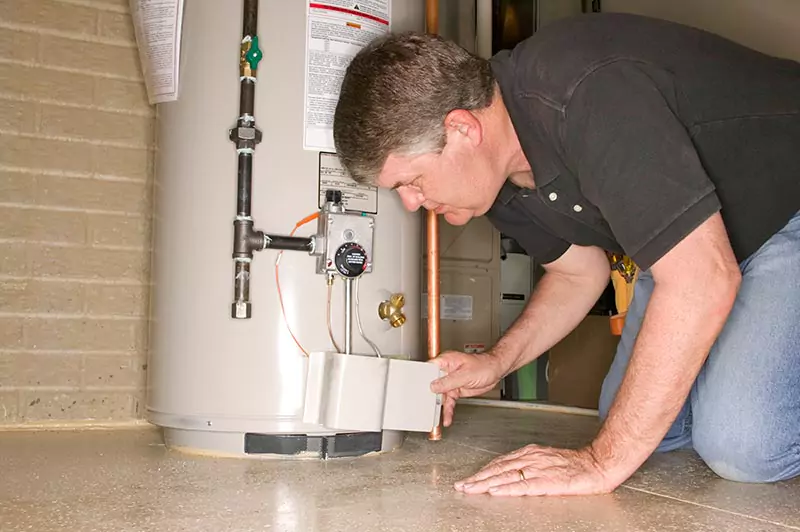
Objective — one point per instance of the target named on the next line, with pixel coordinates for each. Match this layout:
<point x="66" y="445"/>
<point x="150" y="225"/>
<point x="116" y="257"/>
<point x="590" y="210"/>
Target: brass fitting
<point x="392" y="310"/>
<point x="251" y="55"/>
<point x="244" y="66"/>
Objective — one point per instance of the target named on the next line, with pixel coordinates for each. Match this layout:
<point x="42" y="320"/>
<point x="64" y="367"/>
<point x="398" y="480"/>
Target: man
<point x="620" y="133"/>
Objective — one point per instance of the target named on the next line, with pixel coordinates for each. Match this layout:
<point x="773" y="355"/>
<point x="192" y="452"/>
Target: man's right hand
<point x="468" y="375"/>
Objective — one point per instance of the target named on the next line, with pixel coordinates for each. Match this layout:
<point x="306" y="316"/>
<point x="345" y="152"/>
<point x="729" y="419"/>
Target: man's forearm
<point x="557" y="306"/>
<point x="679" y="328"/>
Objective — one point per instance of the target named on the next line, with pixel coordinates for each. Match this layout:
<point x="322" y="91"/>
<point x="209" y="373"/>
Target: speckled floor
<point x="125" y="481"/>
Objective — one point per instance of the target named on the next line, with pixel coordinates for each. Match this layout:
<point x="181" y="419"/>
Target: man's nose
<point x="412" y="199"/>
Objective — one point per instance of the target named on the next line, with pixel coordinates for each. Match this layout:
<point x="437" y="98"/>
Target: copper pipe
<point x="432" y="26"/>
<point x="433" y="299"/>
<point x="432" y="16"/>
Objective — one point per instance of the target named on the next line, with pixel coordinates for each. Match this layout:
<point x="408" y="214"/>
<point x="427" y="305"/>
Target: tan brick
<point x="11" y="333"/>
<point x="110" y="230"/>
<point x="43" y="83"/>
<point x="18" y="45"/>
<point x="97" y="194"/>
<point x="14" y="258"/>
<point x="43" y="225"/>
<point x="90" y="57"/>
<point x="79" y="333"/>
<point x="46" y="14"/>
<point x="139" y="398"/>
<point x="27" y="295"/>
<point x="106" y="370"/>
<point x="46" y="154"/>
<point x="17" y="116"/>
<point x="7" y="375"/>
<point x="116" y="300"/>
<point x="9" y="407"/>
<point x="116" y="26"/>
<point x="33" y="369"/>
<point x="16" y="187"/>
<point x="120" y="94"/>
<point x="141" y="333"/>
<point x="42" y="406"/>
<point x="97" y="125"/>
<point x="132" y="163"/>
<point x="89" y="263"/>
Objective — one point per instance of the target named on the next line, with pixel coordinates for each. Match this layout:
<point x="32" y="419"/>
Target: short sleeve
<point x="534" y="239"/>
<point x="635" y="160"/>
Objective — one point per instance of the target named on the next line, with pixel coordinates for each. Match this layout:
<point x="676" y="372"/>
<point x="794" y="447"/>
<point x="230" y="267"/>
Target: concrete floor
<point x="126" y="480"/>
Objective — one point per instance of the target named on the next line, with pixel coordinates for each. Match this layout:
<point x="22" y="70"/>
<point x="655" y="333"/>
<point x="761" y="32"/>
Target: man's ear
<point x="461" y="125"/>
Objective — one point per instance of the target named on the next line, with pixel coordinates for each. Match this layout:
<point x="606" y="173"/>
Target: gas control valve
<point x="347" y="239"/>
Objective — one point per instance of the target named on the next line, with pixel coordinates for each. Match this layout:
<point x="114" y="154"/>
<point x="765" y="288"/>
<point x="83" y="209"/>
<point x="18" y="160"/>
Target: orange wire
<point x="297" y="226"/>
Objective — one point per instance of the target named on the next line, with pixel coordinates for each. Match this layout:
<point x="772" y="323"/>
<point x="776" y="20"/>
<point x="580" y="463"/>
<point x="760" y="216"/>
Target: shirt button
<point x="577" y="208"/>
<point x="553" y="196"/>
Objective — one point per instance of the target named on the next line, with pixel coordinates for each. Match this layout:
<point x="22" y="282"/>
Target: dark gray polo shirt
<point x="637" y="130"/>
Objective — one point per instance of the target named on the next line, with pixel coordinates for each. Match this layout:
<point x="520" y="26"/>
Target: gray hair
<point x="396" y="94"/>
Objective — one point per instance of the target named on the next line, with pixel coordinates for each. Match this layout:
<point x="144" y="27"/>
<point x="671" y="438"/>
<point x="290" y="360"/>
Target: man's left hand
<point x="535" y="470"/>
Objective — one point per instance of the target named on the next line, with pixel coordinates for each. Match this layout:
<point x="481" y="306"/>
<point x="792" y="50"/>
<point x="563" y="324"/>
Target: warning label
<point x="336" y="31"/>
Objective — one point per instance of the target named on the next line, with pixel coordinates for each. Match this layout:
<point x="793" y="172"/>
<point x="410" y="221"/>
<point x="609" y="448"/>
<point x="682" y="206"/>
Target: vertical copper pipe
<point x="433" y="299"/>
<point x="432" y="26"/>
<point x="432" y="16"/>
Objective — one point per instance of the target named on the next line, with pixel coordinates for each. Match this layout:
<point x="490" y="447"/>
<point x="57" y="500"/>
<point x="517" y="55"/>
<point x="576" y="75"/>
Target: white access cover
<point x="359" y="392"/>
<point x="410" y="405"/>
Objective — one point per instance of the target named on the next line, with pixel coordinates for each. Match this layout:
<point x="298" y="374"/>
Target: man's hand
<point x="535" y="470"/>
<point x="468" y="375"/>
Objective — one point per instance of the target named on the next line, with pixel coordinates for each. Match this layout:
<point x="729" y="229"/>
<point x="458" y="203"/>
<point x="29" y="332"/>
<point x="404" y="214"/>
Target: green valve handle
<point x="254" y="54"/>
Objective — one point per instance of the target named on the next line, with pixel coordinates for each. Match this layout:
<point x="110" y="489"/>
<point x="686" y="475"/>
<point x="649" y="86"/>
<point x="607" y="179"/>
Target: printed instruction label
<point x="474" y="348"/>
<point x="157" y="26"/>
<point x="336" y="30"/>
<point x="355" y="197"/>
<point x="451" y="307"/>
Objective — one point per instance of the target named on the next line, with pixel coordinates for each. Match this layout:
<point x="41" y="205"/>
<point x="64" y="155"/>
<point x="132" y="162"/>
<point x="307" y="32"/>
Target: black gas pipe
<point x="246" y="136"/>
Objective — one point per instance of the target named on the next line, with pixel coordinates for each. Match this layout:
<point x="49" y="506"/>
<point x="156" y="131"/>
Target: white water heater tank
<point x="237" y="386"/>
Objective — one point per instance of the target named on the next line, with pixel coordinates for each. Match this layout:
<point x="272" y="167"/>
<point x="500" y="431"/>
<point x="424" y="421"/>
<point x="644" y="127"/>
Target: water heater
<point x="246" y="358"/>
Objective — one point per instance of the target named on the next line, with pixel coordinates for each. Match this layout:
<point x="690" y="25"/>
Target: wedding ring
<point x="521" y="475"/>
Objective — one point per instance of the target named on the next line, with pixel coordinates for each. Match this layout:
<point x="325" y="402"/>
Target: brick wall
<point x="76" y="139"/>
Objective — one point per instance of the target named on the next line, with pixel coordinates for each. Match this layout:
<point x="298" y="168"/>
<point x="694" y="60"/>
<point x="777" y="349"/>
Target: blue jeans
<point x="743" y="413"/>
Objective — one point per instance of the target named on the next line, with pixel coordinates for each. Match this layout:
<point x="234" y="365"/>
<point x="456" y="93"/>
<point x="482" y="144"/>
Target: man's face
<point x="459" y="183"/>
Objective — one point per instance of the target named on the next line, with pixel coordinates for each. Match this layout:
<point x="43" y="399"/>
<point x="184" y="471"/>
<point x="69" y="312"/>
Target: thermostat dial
<point x="350" y="260"/>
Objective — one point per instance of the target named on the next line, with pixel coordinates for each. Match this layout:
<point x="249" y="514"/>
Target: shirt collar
<point x="528" y="125"/>
<point x="509" y="191"/>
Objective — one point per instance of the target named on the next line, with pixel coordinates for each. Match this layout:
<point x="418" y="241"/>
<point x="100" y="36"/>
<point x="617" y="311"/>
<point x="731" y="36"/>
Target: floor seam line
<point x="476" y="448"/>
<point x="730" y="512"/>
